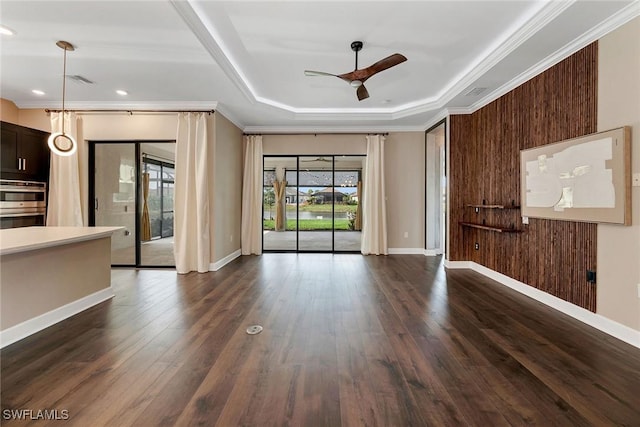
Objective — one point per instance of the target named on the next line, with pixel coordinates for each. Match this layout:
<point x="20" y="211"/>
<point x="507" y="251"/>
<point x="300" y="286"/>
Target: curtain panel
<point x="374" y="215"/>
<point x="191" y="208"/>
<point x="63" y="204"/>
<point x="251" y="238"/>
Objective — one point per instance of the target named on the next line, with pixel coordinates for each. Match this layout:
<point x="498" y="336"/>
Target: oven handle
<point x="15" y="215"/>
<point x="22" y="189"/>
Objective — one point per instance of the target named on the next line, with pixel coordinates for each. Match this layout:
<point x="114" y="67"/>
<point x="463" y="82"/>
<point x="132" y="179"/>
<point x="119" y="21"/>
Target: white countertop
<point x="15" y="240"/>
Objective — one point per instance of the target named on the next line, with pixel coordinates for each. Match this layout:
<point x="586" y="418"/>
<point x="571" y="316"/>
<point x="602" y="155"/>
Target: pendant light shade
<point x="61" y="143"/>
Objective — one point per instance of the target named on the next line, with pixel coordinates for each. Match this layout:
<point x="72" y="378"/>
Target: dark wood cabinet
<point x="24" y="154"/>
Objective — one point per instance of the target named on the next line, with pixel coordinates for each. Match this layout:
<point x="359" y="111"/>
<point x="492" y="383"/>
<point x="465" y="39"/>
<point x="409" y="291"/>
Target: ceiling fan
<point x="317" y="159"/>
<point x="356" y="78"/>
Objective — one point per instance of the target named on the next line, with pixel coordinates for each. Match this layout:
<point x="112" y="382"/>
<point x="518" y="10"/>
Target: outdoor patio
<point x="348" y="241"/>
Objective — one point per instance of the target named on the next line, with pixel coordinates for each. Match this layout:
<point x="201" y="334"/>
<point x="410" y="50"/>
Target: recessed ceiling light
<point x="122" y="92"/>
<point x="37" y="92"/>
<point x="6" y="31"/>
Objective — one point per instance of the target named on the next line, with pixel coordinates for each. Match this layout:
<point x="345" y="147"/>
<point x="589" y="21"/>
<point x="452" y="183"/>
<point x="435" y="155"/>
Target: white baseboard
<point x="215" y="266"/>
<point x="31" y="326"/>
<point x="608" y="326"/>
<point x="432" y="252"/>
<point x="406" y="251"/>
<point x="458" y="264"/>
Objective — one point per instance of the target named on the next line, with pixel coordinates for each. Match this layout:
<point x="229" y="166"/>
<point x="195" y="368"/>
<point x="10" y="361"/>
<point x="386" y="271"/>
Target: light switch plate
<point x="525" y="220"/>
<point x="636" y="180"/>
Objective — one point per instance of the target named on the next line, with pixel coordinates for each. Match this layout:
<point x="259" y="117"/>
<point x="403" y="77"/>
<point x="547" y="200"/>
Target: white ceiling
<point x="247" y="58"/>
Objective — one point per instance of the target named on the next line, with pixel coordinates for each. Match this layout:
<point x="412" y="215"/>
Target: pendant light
<point x="61" y="143"/>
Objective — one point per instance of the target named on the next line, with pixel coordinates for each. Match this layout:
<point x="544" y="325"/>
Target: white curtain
<point x="63" y="206"/>
<point x="374" y="215"/>
<point x="191" y="206"/>
<point x="252" y="196"/>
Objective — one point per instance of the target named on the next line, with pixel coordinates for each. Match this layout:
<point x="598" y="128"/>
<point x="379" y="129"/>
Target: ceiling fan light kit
<point x="356" y="78"/>
<point x="61" y="143"/>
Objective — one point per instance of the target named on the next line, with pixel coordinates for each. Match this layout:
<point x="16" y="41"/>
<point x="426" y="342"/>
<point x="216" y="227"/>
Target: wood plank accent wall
<point x="552" y="256"/>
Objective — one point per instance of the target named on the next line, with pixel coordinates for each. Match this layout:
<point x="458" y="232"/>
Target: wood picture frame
<point x="585" y="179"/>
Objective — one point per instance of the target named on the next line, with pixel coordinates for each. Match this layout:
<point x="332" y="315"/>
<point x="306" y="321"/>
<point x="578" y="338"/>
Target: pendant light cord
<point x="64" y="85"/>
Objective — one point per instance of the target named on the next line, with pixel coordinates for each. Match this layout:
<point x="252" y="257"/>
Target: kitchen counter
<point x="48" y="274"/>
<point x="14" y="240"/>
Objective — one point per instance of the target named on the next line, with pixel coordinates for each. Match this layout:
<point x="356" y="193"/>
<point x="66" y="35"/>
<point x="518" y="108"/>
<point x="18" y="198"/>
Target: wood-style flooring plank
<point x="348" y="340"/>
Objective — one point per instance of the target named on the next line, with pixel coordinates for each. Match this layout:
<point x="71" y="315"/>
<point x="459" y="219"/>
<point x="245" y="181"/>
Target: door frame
<point x="149" y="159"/>
<point x="333" y="178"/>
<point x="138" y="192"/>
<point x="444" y="241"/>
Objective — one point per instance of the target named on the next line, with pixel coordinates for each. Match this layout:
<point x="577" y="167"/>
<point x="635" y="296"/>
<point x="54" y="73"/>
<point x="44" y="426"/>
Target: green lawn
<point x="314" y="208"/>
<point x="309" y="224"/>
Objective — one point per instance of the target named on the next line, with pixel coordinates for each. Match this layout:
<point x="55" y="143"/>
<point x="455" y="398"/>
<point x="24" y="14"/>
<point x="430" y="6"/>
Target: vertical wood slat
<point x="553" y="256"/>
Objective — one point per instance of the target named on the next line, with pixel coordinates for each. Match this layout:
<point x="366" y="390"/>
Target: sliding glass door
<point x="315" y="216"/>
<point x="311" y="203"/>
<point x="114" y="196"/>
<point x="132" y="187"/>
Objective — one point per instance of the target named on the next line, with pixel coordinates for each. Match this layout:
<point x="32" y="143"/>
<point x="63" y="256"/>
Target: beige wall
<point x="225" y="160"/>
<point x="106" y="127"/>
<point x="618" y="274"/>
<point x="314" y="144"/>
<point x="226" y="191"/>
<point x="404" y="169"/>
<point x="8" y="111"/>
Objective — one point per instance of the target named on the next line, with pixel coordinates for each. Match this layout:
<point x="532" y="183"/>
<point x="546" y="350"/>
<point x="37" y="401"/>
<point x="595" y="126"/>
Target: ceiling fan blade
<point x="362" y="93"/>
<point x="383" y="64"/>
<point x="311" y="73"/>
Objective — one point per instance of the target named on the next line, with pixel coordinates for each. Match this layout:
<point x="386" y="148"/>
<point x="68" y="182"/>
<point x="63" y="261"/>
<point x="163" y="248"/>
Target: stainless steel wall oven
<point x="22" y="203"/>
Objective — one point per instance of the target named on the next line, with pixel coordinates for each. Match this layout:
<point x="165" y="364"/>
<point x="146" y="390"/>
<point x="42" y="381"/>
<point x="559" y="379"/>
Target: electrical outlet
<point x="477" y="246"/>
<point x="406" y="234"/>
<point x="636" y="180"/>
<point x="525" y="220"/>
<point x="231" y="238"/>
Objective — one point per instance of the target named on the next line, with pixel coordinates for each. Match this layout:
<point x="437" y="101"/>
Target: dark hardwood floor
<point x="347" y="340"/>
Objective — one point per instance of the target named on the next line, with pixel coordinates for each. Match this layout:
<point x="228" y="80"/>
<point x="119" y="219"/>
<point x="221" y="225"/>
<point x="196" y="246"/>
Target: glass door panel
<point x="156" y="249"/>
<point x="348" y="215"/>
<point x="280" y="204"/>
<point x="168" y="174"/>
<point x="154" y="200"/>
<point x="321" y="201"/>
<point x="316" y="215"/>
<point x="115" y="184"/>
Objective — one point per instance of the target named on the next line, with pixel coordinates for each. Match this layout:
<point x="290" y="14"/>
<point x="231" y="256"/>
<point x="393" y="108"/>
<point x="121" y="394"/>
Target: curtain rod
<point x="316" y="134"/>
<point x="130" y="112"/>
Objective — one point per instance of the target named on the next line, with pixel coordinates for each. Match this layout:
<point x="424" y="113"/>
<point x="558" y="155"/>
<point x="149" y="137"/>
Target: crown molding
<point x="230" y="115"/>
<point x="442" y="115"/>
<point x="206" y="33"/>
<point x="521" y="31"/>
<point x="615" y="21"/>
<point x="133" y="106"/>
<point x="284" y="130"/>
